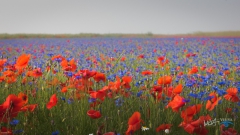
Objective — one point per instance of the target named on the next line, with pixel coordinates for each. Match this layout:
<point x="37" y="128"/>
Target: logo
<point x="226" y="121"/>
<point x="223" y="121"/>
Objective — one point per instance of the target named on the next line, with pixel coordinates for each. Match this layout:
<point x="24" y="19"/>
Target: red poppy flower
<point x="165" y="80"/>
<point x="134" y="123"/>
<point x="123" y="58"/>
<point x="229" y="131"/>
<point x="86" y="74"/>
<point x="188" y="113"/>
<point x="53" y="101"/>
<point x="30" y="108"/>
<point x="5" y="131"/>
<point x="69" y="66"/>
<point x="100" y="77"/>
<point x="64" y="89"/>
<point x="115" y="86"/>
<point x="24" y="97"/>
<point x="176" y="103"/>
<point x="194" y="70"/>
<point x="57" y="57"/>
<point x="162" y="61"/>
<point x="232" y="95"/>
<point x="2" y="62"/>
<point x="196" y="126"/>
<point x="22" y="61"/>
<point x="94" y="114"/>
<point x="11" y="106"/>
<point x="147" y="72"/>
<point x="2" y="111"/>
<point x="8" y="73"/>
<point x="36" y="73"/>
<point x="163" y="127"/>
<point x="110" y="133"/>
<point x="126" y="81"/>
<point x="203" y="67"/>
<point x="228" y="110"/>
<point x="141" y="56"/>
<point x="98" y="94"/>
<point x="213" y="102"/>
<point x="178" y="89"/>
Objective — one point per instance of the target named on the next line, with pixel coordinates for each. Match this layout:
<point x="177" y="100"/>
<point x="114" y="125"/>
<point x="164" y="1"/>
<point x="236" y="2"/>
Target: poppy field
<point x="120" y="86"/>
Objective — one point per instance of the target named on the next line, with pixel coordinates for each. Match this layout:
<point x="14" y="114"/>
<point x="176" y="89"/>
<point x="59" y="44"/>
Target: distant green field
<point x="143" y="35"/>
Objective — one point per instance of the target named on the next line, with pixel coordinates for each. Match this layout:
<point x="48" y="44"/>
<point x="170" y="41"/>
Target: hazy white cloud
<point x="125" y="16"/>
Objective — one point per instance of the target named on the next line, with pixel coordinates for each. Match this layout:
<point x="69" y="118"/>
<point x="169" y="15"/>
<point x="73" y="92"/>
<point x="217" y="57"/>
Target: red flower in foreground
<point x="163" y="127"/>
<point x="165" y="80"/>
<point x="2" y="62"/>
<point x="69" y="66"/>
<point x="178" y="89"/>
<point x="94" y="114"/>
<point x="229" y="131"/>
<point x="22" y="61"/>
<point x="188" y="113"/>
<point x="232" y="95"/>
<point x="36" y="73"/>
<point x="196" y="126"/>
<point x="126" y="80"/>
<point x="24" y="97"/>
<point x="11" y="107"/>
<point x="53" y="101"/>
<point x="99" y="76"/>
<point x="213" y="102"/>
<point x="176" y="103"/>
<point x="29" y="108"/>
<point x="86" y="74"/>
<point x="134" y="123"/>
<point x="5" y="131"/>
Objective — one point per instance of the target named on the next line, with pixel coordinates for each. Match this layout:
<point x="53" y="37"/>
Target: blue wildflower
<point x="63" y="98"/>
<point x="91" y="100"/>
<point x="193" y="95"/>
<point x="119" y="102"/>
<point x="17" y="131"/>
<point x="55" y="133"/>
<point x="139" y="93"/>
<point x="221" y="92"/>
<point x="70" y="101"/>
<point x="14" y="122"/>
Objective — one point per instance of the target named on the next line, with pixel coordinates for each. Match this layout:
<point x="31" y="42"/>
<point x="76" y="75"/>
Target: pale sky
<point x="118" y="16"/>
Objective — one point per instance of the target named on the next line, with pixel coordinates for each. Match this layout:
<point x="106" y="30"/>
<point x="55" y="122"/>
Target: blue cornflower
<point x="63" y="98"/>
<point x="17" y="131"/>
<point x="91" y="100"/>
<point x="50" y="54"/>
<point x="193" y="95"/>
<point x="69" y="74"/>
<point x="119" y="102"/>
<point x="58" y="60"/>
<point x="139" y="93"/>
<point x="215" y="88"/>
<point x="222" y="83"/>
<point x="186" y="100"/>
<point x="70" y="101"/>
<point x="14" y="122"/>
<point x="235" y="110"/>
<point x="55" y="133"/>
<point x="221" y="92"/>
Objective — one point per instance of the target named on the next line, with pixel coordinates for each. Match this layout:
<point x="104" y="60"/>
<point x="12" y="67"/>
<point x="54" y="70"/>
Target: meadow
<point x="117" y="86"/>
